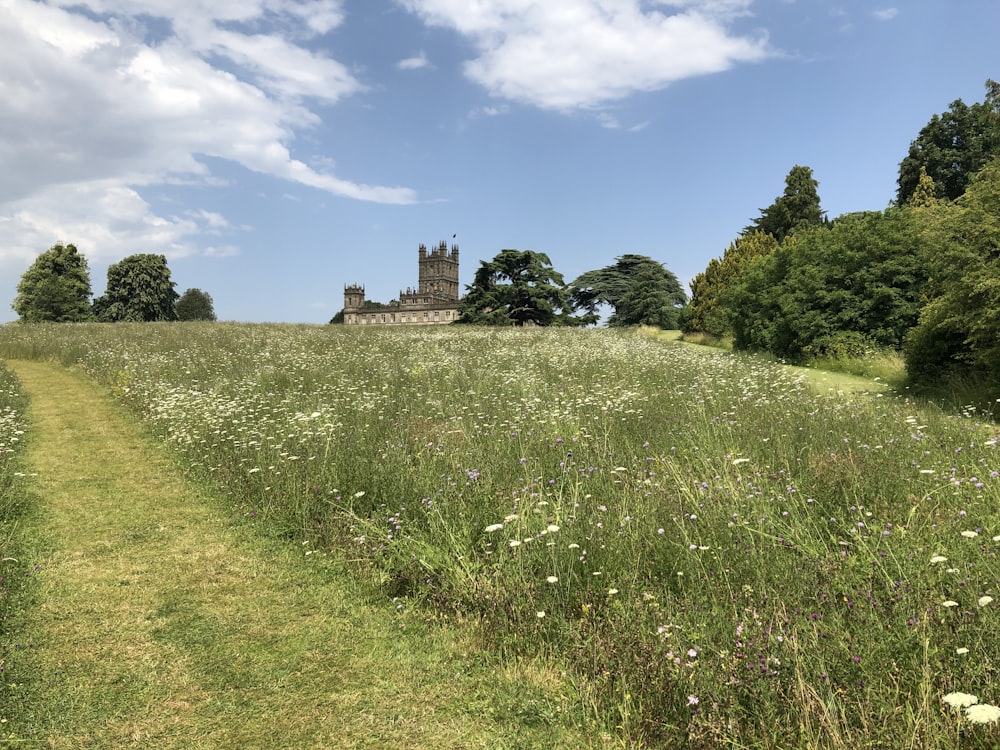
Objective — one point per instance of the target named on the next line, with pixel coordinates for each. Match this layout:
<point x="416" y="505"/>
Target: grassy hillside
<point x="722" y="553"/>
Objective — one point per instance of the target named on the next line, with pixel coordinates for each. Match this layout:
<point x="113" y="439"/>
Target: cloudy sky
<point x="276" y="150"/>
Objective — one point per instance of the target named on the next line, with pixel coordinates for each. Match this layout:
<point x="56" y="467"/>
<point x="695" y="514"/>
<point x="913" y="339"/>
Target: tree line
<point x="921" y="277"/>
<point x="521" y="288"/>
<point x="56" y="288"/>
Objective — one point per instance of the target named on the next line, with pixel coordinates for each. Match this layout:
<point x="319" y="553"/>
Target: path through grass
<point x="162" y="623"/>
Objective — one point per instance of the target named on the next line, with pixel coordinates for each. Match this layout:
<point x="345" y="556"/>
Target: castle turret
<point x="439" y="272"/>
<point x="354" y="297"/>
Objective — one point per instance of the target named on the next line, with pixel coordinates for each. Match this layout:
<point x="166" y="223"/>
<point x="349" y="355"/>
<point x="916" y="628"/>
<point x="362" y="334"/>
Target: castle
<point x="433" y="302"/>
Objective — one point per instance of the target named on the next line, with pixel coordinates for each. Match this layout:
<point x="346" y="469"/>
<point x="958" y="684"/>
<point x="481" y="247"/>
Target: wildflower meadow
<point x="13" y="571"/>
<point x="714" y="552"/>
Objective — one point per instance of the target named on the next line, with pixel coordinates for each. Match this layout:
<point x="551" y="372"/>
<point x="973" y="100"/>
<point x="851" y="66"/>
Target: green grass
<point x="163" y="621"/>
<point x="16" y="574"/>
<point x="719" y="550"/>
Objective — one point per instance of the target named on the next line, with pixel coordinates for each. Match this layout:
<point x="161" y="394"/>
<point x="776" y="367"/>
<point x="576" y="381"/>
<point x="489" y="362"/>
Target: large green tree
<point x="708" y="311"/>
<point x="958" y="334"/>
<point x="952" y="147"/>
<point x="55" y="288"/>
<point x="640" y="291"/>
<point x="518" y="288"/>
<point x="796" y="209"/>
<point x="195" y="304"/>
<point x="835" y="290"/>
<point x="139" y="289"/>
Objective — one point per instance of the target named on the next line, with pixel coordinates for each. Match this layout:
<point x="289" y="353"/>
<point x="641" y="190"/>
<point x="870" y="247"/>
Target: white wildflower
<point x="960" y="700"/>
<point x="982" y="713"/>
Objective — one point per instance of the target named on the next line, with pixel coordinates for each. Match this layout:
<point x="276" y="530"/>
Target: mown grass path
<point x="161" y="623"/>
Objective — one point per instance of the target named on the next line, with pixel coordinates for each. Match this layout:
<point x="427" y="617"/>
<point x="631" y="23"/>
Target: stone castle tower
<point x="434" y="301"/>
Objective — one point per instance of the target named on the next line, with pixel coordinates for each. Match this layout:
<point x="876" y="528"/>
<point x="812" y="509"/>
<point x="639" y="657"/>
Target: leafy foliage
<point x="959" y="330"/>
<point x="796" y="209"/>
<point x="834" y="289"/>
<point x="518" y="288"/>
<point x="56" y="288"/>
<point x="708" y="311"/>
<point x="641" y="291"/>
<point x="952" y="147"/>
<point x="195" y="304"/>
<point x="139" y="289"/>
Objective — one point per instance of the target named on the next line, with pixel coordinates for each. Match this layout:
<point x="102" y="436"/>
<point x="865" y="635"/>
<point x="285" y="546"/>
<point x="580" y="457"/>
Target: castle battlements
<point x="434" y="301"/>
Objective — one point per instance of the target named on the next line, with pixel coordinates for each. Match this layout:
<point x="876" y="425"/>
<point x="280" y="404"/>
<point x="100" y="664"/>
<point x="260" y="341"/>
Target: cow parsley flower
<point x="960" y="700"/>
<point x="982" y="713"/>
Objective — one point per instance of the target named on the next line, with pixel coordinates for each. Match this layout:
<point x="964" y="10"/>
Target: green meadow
<point x="712" y="550"/>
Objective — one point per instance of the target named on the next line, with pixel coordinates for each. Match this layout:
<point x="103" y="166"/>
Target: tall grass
<point x="722" y="556"/>
<point x="878" y="364"/>
<point x="15" y="573"/>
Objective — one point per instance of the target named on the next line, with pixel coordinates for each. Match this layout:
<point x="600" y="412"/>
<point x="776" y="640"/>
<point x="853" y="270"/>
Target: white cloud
<point x="575" y="54"/>
<point x="102" y="98"/>
<point x="225" y="251"/>
<point x="886" y="14"/>
<point x="608" y="121"/>
<point x="104" y="219"/>
<point x="414" y="63"/>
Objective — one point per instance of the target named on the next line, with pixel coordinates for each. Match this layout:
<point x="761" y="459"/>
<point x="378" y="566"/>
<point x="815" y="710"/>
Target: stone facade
<point x="433" y="302"/>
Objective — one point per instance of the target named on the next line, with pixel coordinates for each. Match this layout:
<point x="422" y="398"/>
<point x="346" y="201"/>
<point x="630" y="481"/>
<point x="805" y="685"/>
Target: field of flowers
<point x="720" y="555"/>
<point x="12" y="500"/>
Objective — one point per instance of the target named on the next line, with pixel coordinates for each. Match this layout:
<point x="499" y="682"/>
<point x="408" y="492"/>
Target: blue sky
<point x="276" y="150"/>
